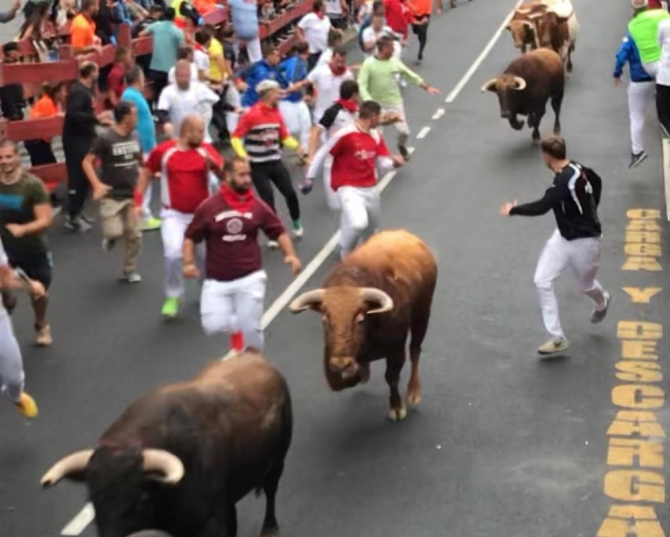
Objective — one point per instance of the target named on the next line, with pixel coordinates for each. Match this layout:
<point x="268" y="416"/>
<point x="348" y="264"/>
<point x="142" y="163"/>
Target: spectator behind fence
<point x="105" y="20"/>
<point x="78" y="135"/>
<point x="244" y="14"/>
<point x="116" y="79"/>
<point x="146" y="131"/>
<point x="7" y="15"/>
<point x="12" y="102"/>
<point x="167" y="40"/>
<point x="50" y="104"/>
<point x="82" y="32"/>
<point x="185" y="53"/>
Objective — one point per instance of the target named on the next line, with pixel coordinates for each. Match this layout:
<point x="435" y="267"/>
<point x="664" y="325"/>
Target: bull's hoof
<point x="398" y="414"/>
<point x="414" y="398"/>
<point x="270" y="532"/>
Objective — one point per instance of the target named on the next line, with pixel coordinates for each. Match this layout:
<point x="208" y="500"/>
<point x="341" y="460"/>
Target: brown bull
<point x="525" y="87"/>
<point x="522" y="26"/>
<point x="369" y="303"/>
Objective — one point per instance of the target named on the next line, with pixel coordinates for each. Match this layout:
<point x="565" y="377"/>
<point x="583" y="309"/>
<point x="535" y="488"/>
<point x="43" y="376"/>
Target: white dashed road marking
<point x="422" y="133"/>
<point x="81" y="521"/>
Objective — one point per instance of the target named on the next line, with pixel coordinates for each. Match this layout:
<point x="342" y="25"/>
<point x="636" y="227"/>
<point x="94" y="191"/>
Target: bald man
<point x="184" y="165"/>
<point x="185" y="97"/>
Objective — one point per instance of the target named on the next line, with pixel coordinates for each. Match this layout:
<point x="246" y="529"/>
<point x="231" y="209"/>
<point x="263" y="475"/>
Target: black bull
<point x="525" y="87"/>
<point x="179" y="458"/>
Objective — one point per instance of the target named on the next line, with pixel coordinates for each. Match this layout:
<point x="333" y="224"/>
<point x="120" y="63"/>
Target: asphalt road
<point x="504" y="443"/>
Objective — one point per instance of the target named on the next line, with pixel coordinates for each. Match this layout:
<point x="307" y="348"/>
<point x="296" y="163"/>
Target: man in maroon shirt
<point x="228" y="222"/>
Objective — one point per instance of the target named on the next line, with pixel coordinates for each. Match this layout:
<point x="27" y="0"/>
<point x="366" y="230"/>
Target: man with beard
<point x="184" y="166"/>
<point x="79" y="132"/>
<point x="234" y="289"/>
<point x="574" y="197"/>
<point x="25" y="213"/>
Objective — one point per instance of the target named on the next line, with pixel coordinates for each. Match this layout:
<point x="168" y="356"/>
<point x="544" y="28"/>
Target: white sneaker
<point x="298" y="232"/>
<point x="599" y="315"/>
<point x="273" y="245"/>
<point x="553" y="345"/>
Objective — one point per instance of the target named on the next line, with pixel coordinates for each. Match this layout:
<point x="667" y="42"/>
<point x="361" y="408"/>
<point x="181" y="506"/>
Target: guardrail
<point x="32" y="75"/>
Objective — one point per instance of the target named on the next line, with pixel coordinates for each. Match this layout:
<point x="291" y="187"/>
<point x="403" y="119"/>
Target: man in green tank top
<point x="643" y="28"/>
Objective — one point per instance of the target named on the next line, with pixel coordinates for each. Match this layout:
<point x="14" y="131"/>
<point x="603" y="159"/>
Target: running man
<point x="120" y="155"/>
<point x="574" y="197"/>
<point x="26" y="214"/>
<point x="376" y="81"/>
<point x="421" y="12"/>
<point x="234" y="289"/>
<point x="184" y="165"/>
<point x="357" y="151"/>
<point x="12" y="375"/>
<point x="259" y="136"/>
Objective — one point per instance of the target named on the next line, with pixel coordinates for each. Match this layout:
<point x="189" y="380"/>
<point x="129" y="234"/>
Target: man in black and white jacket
<point x="574" y="197"/>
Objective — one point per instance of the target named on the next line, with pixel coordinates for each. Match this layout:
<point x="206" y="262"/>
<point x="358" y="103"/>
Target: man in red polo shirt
<point x="357" y="151"/>
<point x="234" y="289"/>
<point x="184" y="165"/>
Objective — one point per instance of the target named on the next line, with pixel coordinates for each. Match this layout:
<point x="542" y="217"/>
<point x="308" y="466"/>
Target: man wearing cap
<point x="643" y="28"/>
<point x="259" y="137"/>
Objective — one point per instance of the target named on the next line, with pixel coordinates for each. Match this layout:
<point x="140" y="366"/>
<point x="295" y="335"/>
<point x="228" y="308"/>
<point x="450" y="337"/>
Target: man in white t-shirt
<point x="663" y="77"/>
<point x="185" y="97"/>
<point x="372" y="33"/>
<point x="336" y="11"/>
<point x="201" y="54"/>
<point x="185" y="53"/>
<point x="326" y="80"/>
<point x="314" y="28"/>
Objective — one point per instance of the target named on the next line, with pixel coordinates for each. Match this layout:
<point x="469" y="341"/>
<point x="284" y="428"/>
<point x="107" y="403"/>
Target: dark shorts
<point x="417" y="27"/>
<point x="36" y="266"/>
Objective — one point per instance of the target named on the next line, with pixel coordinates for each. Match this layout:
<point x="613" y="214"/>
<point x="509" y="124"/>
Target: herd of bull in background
<point x="180" y="458"/>
<point x="549" y="28"/>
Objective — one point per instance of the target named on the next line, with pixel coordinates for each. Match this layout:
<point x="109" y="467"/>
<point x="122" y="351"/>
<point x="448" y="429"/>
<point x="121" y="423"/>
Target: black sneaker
<point x="636" y="159"/>
<point x="404" y="153"/>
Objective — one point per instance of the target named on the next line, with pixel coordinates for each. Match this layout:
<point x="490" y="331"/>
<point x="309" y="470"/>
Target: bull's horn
<point x="306" y="301"/>
<point x="520" y="82"/>
<point x="489" y="85"/>
<point x="72" y="464"/>
<point x="165" y="463"/>
<point x="371" y="294"/>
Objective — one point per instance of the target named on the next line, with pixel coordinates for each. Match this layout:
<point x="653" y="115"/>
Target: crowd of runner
<point x="209" y="115"/>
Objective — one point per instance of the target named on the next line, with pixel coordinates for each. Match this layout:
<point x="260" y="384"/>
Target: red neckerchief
<point x="349" y="106"/>
<point x="242" y="203"/>
<point x="337" y="72"/>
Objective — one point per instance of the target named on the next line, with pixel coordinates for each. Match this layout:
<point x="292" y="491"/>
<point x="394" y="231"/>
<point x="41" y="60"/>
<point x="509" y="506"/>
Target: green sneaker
<point x="151" y="224"/>
<point x="170" y="308"/>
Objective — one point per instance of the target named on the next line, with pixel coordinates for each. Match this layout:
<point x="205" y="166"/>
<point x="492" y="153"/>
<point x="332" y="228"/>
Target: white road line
<point x="79" y="523"/>
<point x="487" y="49"/>
<point x="422" y="133"/>
<point x="438" y="113"/>
<point x="666" y="175"/>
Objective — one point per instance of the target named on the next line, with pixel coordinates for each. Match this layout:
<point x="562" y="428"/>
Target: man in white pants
<point x="640" y="94"/>
<point x="228" y="223"/>
<point x="356" y="153"/>
<point x="574" y="197"/>
<point x="11" y="362"/>
<point x="184" y="166"/>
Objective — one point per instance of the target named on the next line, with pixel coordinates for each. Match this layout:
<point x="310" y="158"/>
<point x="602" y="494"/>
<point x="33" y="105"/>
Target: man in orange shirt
<point x="82" y="32"/>
<point x="421" y="11"/>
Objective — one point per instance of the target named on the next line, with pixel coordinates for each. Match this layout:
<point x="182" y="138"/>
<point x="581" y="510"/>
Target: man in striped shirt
<point x="259" y="137"/>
